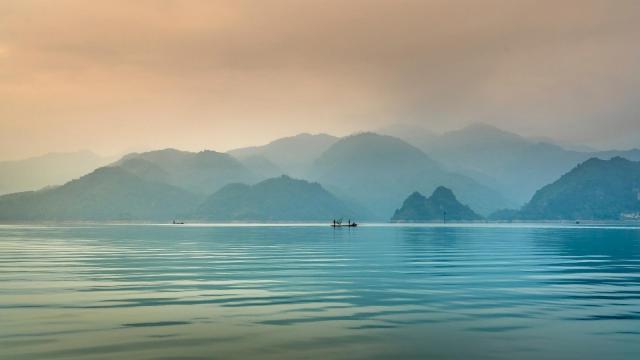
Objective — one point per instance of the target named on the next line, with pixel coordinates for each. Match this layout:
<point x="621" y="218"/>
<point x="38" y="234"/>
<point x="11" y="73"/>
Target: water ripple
<point x="150" y="292"/>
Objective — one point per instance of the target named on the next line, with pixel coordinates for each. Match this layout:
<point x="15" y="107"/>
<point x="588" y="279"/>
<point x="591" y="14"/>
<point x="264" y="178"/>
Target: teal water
<point x="291" y="292"/>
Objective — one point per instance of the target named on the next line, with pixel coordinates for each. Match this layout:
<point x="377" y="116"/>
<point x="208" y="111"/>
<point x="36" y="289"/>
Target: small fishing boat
<point x="178" y="222"/>
<point x="344" y="225"/>
<point x="339" y="223"/>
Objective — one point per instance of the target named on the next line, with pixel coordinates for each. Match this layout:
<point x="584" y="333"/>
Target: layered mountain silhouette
<point x="201" y="173"/>
<point x="47" y="170"/>
<point x="261" y="166"/>
<point x="442" y="205"/>
<point x="516" y="165"/>
<point x="113" y="193"/>
<point x="292" y="154"/>
<point x="108" y="193"/>
<point x="595" y="189"/>
<point x="364" y="176"/>
<point x="378" y="171"/>
<point x="281" y="198"/>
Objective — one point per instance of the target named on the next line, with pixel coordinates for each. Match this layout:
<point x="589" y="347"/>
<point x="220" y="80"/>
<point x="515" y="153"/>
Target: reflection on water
<point x="181" y="292"/>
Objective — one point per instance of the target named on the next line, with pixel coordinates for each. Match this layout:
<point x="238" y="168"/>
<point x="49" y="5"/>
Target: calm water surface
<point x="201" y="292"/>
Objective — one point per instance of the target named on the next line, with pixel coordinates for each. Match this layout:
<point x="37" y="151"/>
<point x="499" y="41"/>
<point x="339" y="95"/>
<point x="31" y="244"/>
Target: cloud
<point x="220" y="74"/>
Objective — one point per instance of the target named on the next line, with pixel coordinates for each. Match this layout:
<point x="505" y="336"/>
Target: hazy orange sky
<point x="110" y="76"/>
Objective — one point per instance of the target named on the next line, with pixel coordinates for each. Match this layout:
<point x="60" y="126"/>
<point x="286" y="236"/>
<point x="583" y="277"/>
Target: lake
<point x="310" y="291"/>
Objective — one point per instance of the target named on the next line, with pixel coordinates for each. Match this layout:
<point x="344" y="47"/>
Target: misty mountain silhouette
<point x="108" y="193"/>
<point x="281" y="198"/>
<point x="369" y="174"/>
<point x="47" y="170"/>
<point x="441" y="205"/>
<point x="378" y="171"/>
<point x="516" y="165"/>
<point x="292" y="154"/>
<point x="595" y="189"/>
<point x="261" y="166"/>
<point x="202" y="173"/>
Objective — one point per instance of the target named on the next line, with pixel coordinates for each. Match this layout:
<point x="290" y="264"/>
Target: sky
<point x="114" y="76"/>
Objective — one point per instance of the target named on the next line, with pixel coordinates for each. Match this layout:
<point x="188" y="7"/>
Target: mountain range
<point x="364" y="176"/>
<point x="201" y="173"/>
<point x="377" y="171"/>
<point x="516" y="165"/>
<point x="293" y="155"/>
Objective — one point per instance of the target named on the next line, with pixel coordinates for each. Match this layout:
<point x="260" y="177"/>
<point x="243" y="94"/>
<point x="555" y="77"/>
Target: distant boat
<point x="344" y="225"/>
<point x="340" y="224"/>
<point x="178" y="222"/>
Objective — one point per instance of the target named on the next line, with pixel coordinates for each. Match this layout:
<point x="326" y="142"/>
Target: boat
<point x="344" y="225"/>
<point x="340" y="224"/>
<point x="178" y="222"/>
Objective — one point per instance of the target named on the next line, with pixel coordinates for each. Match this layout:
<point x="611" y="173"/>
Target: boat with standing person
<point x="338" y="223"/>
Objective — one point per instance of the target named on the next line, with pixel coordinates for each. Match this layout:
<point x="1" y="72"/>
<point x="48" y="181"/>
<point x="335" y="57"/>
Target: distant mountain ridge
<point x="202" y="173"/>
<point x="442" y="205"/>
<point x="379" y="170"/>
<point x="47" y="170"/>
<point x="114" y="194"/>
<point x="594" y="190"/>
<point x="108" y="193"/>
<point x="516" y="165"/>
<point x="282" y="198"/>
<point x="292" y="154"/>
<point x="370" y="174"/>
<point x="261" y="166"/>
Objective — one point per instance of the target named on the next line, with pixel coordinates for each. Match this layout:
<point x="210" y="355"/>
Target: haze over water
<point x="192" y="292"/>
